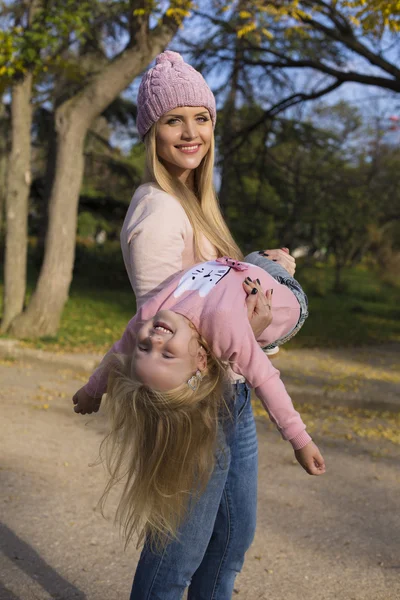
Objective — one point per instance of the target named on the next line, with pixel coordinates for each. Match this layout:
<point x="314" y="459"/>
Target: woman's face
<point x="183" y="139"/>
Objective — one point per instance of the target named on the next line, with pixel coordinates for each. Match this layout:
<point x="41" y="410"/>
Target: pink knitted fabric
<point x="169" y="84"/>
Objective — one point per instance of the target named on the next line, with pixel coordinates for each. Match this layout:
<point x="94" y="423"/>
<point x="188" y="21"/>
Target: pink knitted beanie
<point x="169" y="84"/>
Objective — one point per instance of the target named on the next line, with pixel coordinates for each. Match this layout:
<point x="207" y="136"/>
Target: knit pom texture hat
<point x="169" y="84"/>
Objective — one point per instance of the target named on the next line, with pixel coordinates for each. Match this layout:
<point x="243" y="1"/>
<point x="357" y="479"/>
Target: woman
<point x="173" y="222"/>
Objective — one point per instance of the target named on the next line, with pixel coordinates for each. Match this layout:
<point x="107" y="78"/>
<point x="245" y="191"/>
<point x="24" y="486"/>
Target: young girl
<point x="165" y="392"/>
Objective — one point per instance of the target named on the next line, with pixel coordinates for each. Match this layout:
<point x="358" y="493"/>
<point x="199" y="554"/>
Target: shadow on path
<point x="6" y="594"/>
<point x="33" y="565"/>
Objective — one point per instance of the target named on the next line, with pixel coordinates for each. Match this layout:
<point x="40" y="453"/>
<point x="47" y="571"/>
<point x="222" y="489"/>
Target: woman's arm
<point x="283" y="257"/>
<point x="258" y="304"/>
<point x="154" y="237"/>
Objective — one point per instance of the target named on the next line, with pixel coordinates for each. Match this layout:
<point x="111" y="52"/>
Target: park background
<point x="308" y="157"/>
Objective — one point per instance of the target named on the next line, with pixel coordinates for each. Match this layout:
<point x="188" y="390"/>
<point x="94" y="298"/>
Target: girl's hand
<point x="282" y="257"/>
<point x="311" y="459"/>
<point x="85" y="404"/>
<point x="258" y="305"/>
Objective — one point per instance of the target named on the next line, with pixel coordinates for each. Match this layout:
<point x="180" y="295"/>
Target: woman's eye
<point x="203" y="119"/>
<point x="172" y="121"/>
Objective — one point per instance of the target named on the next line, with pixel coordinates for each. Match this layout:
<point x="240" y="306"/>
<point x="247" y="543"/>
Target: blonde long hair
<point x="202" y="207"/>
<point x="161" y="447"/>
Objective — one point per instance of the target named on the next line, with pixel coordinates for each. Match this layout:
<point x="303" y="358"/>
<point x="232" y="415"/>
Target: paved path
<point x="368" y="376"/>
<point x="335" y="537"/>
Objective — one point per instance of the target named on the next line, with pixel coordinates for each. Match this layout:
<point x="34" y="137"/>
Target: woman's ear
<point x="201" y="359"/>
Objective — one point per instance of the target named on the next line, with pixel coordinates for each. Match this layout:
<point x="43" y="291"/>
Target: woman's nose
<point x="189" y="130"/>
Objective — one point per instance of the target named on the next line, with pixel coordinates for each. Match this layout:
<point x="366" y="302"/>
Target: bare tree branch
<point x="297" y="98"/>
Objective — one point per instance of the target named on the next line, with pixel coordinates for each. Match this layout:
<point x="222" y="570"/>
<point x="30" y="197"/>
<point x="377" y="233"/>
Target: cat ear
<point x="183" y="285"/>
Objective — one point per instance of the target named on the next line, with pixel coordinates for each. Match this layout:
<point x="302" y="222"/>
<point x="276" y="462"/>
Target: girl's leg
<point x="236" y="519"/>
<point x="283" y="277"/>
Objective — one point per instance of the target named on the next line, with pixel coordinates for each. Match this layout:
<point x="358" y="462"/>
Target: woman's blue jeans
<point x="220" y="528"/>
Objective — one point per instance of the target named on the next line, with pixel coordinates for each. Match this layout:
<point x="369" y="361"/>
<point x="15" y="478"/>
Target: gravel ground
<point x="335" y="537"/>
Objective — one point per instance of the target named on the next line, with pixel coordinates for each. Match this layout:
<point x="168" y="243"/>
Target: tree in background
<point x="289" y="52"/>
<point x="4" y="151"/>
<point x="18" y="177"/>
<point x="268" y="59"/>
<point x="143" y="31"/>
<point x="32" y="37"/>
<point x="323" y="182"/>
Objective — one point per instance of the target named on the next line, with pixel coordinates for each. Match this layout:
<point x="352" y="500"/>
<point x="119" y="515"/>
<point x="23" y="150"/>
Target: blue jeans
<point x="220" y="527"/>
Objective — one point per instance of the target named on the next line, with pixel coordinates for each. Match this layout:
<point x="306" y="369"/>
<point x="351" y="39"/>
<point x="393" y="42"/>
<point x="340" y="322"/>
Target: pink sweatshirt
<point x="211" y="295"/>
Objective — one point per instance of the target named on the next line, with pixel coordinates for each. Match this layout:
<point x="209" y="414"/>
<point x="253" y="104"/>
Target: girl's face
<point x="167" y="351"/>
<point x="183" y="138"/>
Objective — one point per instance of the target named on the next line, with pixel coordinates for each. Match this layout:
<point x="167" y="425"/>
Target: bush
<point x="87" y="225"/>
<point x="100" y="266"/>
<point x="315" y="282"/>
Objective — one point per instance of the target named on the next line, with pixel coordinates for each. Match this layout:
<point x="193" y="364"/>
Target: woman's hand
<point x="84" y="403"/>
<point x="258" y="305"/>
<point x="282" y="257"/>
<point x="311" y="459"/>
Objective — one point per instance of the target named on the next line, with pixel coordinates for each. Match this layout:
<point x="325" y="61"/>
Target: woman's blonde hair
<point x="202" y="207"/>
<point x="161" y="447"/>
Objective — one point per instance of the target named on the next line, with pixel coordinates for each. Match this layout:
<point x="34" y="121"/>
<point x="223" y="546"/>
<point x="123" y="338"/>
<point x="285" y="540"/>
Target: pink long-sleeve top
<point x="211" y="295"/>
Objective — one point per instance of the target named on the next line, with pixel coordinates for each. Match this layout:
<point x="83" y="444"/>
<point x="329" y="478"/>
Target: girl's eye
<point x="142" y="349"/>
<point x="167" y="356"/>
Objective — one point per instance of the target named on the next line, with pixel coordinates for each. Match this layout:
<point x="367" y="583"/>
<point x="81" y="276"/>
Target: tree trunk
<point x="17" y="195"/>
<point x="338" y="282"/>
<point x="4" y="137"/>
<point x="227" y="133"/>
<point x="73" y="119"/>
<point x="43" y="314"/>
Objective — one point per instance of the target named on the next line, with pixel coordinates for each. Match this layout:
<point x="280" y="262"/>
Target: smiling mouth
<point x="189" y="149"/>
<point x="161" y="327"/>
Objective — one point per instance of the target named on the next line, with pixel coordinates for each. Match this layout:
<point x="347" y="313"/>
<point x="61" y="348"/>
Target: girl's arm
<point x="281" y="411"/>
<point x="88" y="398"/>
<point x="232" y="339"/>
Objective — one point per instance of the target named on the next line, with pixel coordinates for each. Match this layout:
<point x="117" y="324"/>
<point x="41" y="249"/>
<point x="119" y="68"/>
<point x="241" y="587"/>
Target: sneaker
<point x="271" y="351"/>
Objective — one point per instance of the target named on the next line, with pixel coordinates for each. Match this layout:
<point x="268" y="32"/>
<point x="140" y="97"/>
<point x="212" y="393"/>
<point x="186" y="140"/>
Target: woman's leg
<point x="166" y="575"/>
<point x="236" y="519"/>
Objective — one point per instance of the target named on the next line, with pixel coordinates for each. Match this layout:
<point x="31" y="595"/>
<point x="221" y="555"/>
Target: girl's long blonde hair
<point x="202" y="207"/>
<point x="161" y="447"/>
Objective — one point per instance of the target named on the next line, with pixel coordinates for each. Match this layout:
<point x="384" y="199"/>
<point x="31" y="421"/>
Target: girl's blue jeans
<point x="220" y="527"/>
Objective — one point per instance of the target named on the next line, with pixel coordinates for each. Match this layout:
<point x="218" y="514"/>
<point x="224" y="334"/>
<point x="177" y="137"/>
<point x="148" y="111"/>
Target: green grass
<point x="93" y="319"/>
<point x="368" y="312"/>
